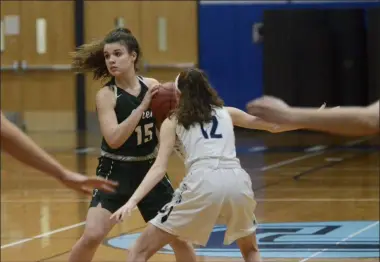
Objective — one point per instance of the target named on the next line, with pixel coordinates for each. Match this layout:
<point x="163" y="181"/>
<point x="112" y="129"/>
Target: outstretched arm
<point x="242" y="119"/>
<point x="352" y="121"/>
<point x="344" y="120"/>
<point x="21" y="147"/>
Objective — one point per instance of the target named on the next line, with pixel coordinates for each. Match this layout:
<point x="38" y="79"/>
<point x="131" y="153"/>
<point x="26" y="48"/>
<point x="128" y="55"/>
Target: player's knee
<point x="137" y="255"/>
<point x="178" y="244"/>
<point x="93" y="236"/>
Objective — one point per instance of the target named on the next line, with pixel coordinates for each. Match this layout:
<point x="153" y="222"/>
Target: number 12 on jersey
<point x="214" y="126"/>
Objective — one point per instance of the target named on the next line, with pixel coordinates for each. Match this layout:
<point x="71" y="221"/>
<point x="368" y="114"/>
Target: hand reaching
<point x="270" y="109"/>
<point x="86" y="184"/>
<point x="148" y="97"/>
<point x="119" y="215"/>
<point x="274" y="110"/>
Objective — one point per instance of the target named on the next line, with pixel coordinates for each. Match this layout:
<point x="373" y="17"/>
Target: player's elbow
<point x="114" y="137"/>
<point x="113" y="142"/>
<point x="280" y="129"/>
<point x="114" y="145"/>
<point x="273" y="128"/>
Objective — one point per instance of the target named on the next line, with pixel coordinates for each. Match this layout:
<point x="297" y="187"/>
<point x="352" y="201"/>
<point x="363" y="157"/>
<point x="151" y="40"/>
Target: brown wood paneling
<point x="47" y="91"/>
<point x="59" y="16"/>
<point x="11" y="97"/>
<point x="99" y="20"/>
<point x="44" y="90"/>
<point x="162" y="76"/>
<point x="182" y="33"/>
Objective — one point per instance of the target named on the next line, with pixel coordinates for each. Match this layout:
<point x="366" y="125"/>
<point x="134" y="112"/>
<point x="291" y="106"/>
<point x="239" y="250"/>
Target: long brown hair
<point x="197" y="99"/>
<point x="90" y="57"/>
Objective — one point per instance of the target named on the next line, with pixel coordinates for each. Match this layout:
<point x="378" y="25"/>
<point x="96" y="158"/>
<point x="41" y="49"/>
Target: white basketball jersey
<point x="215" y="139"/>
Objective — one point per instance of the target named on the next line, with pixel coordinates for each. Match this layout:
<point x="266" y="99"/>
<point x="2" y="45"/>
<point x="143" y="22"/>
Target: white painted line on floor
<point x="315" y="151"/>
<point x="291" y="160"/>
<point x="341" y="241"/>
<point x="42" y="235"/>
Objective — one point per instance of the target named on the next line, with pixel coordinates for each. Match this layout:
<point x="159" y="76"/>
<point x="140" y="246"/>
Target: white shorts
<point x="207" y="197"/>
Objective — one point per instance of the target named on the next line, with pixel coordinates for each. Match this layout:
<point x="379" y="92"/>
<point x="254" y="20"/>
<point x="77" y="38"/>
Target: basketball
<point x="163" y="102"/>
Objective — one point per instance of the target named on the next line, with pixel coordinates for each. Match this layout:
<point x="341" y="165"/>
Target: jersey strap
<point x="142" y="80"/>
<point x="114" y="88"/>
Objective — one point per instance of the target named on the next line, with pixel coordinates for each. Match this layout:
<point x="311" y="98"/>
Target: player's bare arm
<point x="351" y="121"/>
<point x="24" y="149"/>
<point x="344" y="120"/>
<point x="158" y="170"/>
<point x="115" y="134"/>
<point x="242" y="119"/>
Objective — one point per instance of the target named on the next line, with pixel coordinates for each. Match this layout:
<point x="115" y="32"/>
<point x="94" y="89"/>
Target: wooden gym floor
<point x="318" y="200"/>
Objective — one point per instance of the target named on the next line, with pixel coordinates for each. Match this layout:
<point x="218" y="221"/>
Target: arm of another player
<point x="116" y="134"/>
<point x="352" y="121"/>
<point x="156" y="172"/>
<point x="21" y="147"/>
<point x="242" y="119"/>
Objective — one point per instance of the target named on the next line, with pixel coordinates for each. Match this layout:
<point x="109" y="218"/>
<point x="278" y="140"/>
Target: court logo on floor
<point x="356" y="239"/>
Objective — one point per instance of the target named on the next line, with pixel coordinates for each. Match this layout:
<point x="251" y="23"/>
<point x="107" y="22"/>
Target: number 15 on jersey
<point x="145" y="133"/>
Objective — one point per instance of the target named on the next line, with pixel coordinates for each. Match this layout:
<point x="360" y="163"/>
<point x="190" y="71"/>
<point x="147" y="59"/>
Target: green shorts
<point x="130" y="175"/>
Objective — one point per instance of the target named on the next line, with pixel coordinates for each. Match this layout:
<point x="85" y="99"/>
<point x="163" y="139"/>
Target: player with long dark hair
<point x="129" y="145"/>
<point x="216" y="190"/>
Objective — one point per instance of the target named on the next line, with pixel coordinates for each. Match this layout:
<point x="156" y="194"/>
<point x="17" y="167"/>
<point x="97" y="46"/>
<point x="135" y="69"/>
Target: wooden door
<point x="48" y="96"/>
<point x="169" y="36"/>
<point x="100" y="18"/>
<point x="11" y="96"/>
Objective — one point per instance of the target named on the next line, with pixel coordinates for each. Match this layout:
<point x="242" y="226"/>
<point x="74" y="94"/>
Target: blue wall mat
<point x="226" y="50"/>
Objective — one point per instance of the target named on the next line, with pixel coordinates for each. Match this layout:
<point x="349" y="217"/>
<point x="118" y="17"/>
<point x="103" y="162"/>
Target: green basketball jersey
<point x="143" y="141"/>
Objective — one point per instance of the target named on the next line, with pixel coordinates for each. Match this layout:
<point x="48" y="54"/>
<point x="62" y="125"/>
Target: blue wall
<point x="226" y="51"/>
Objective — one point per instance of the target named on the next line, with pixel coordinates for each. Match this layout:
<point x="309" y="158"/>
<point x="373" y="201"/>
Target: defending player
<point x="216" y="190"/>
